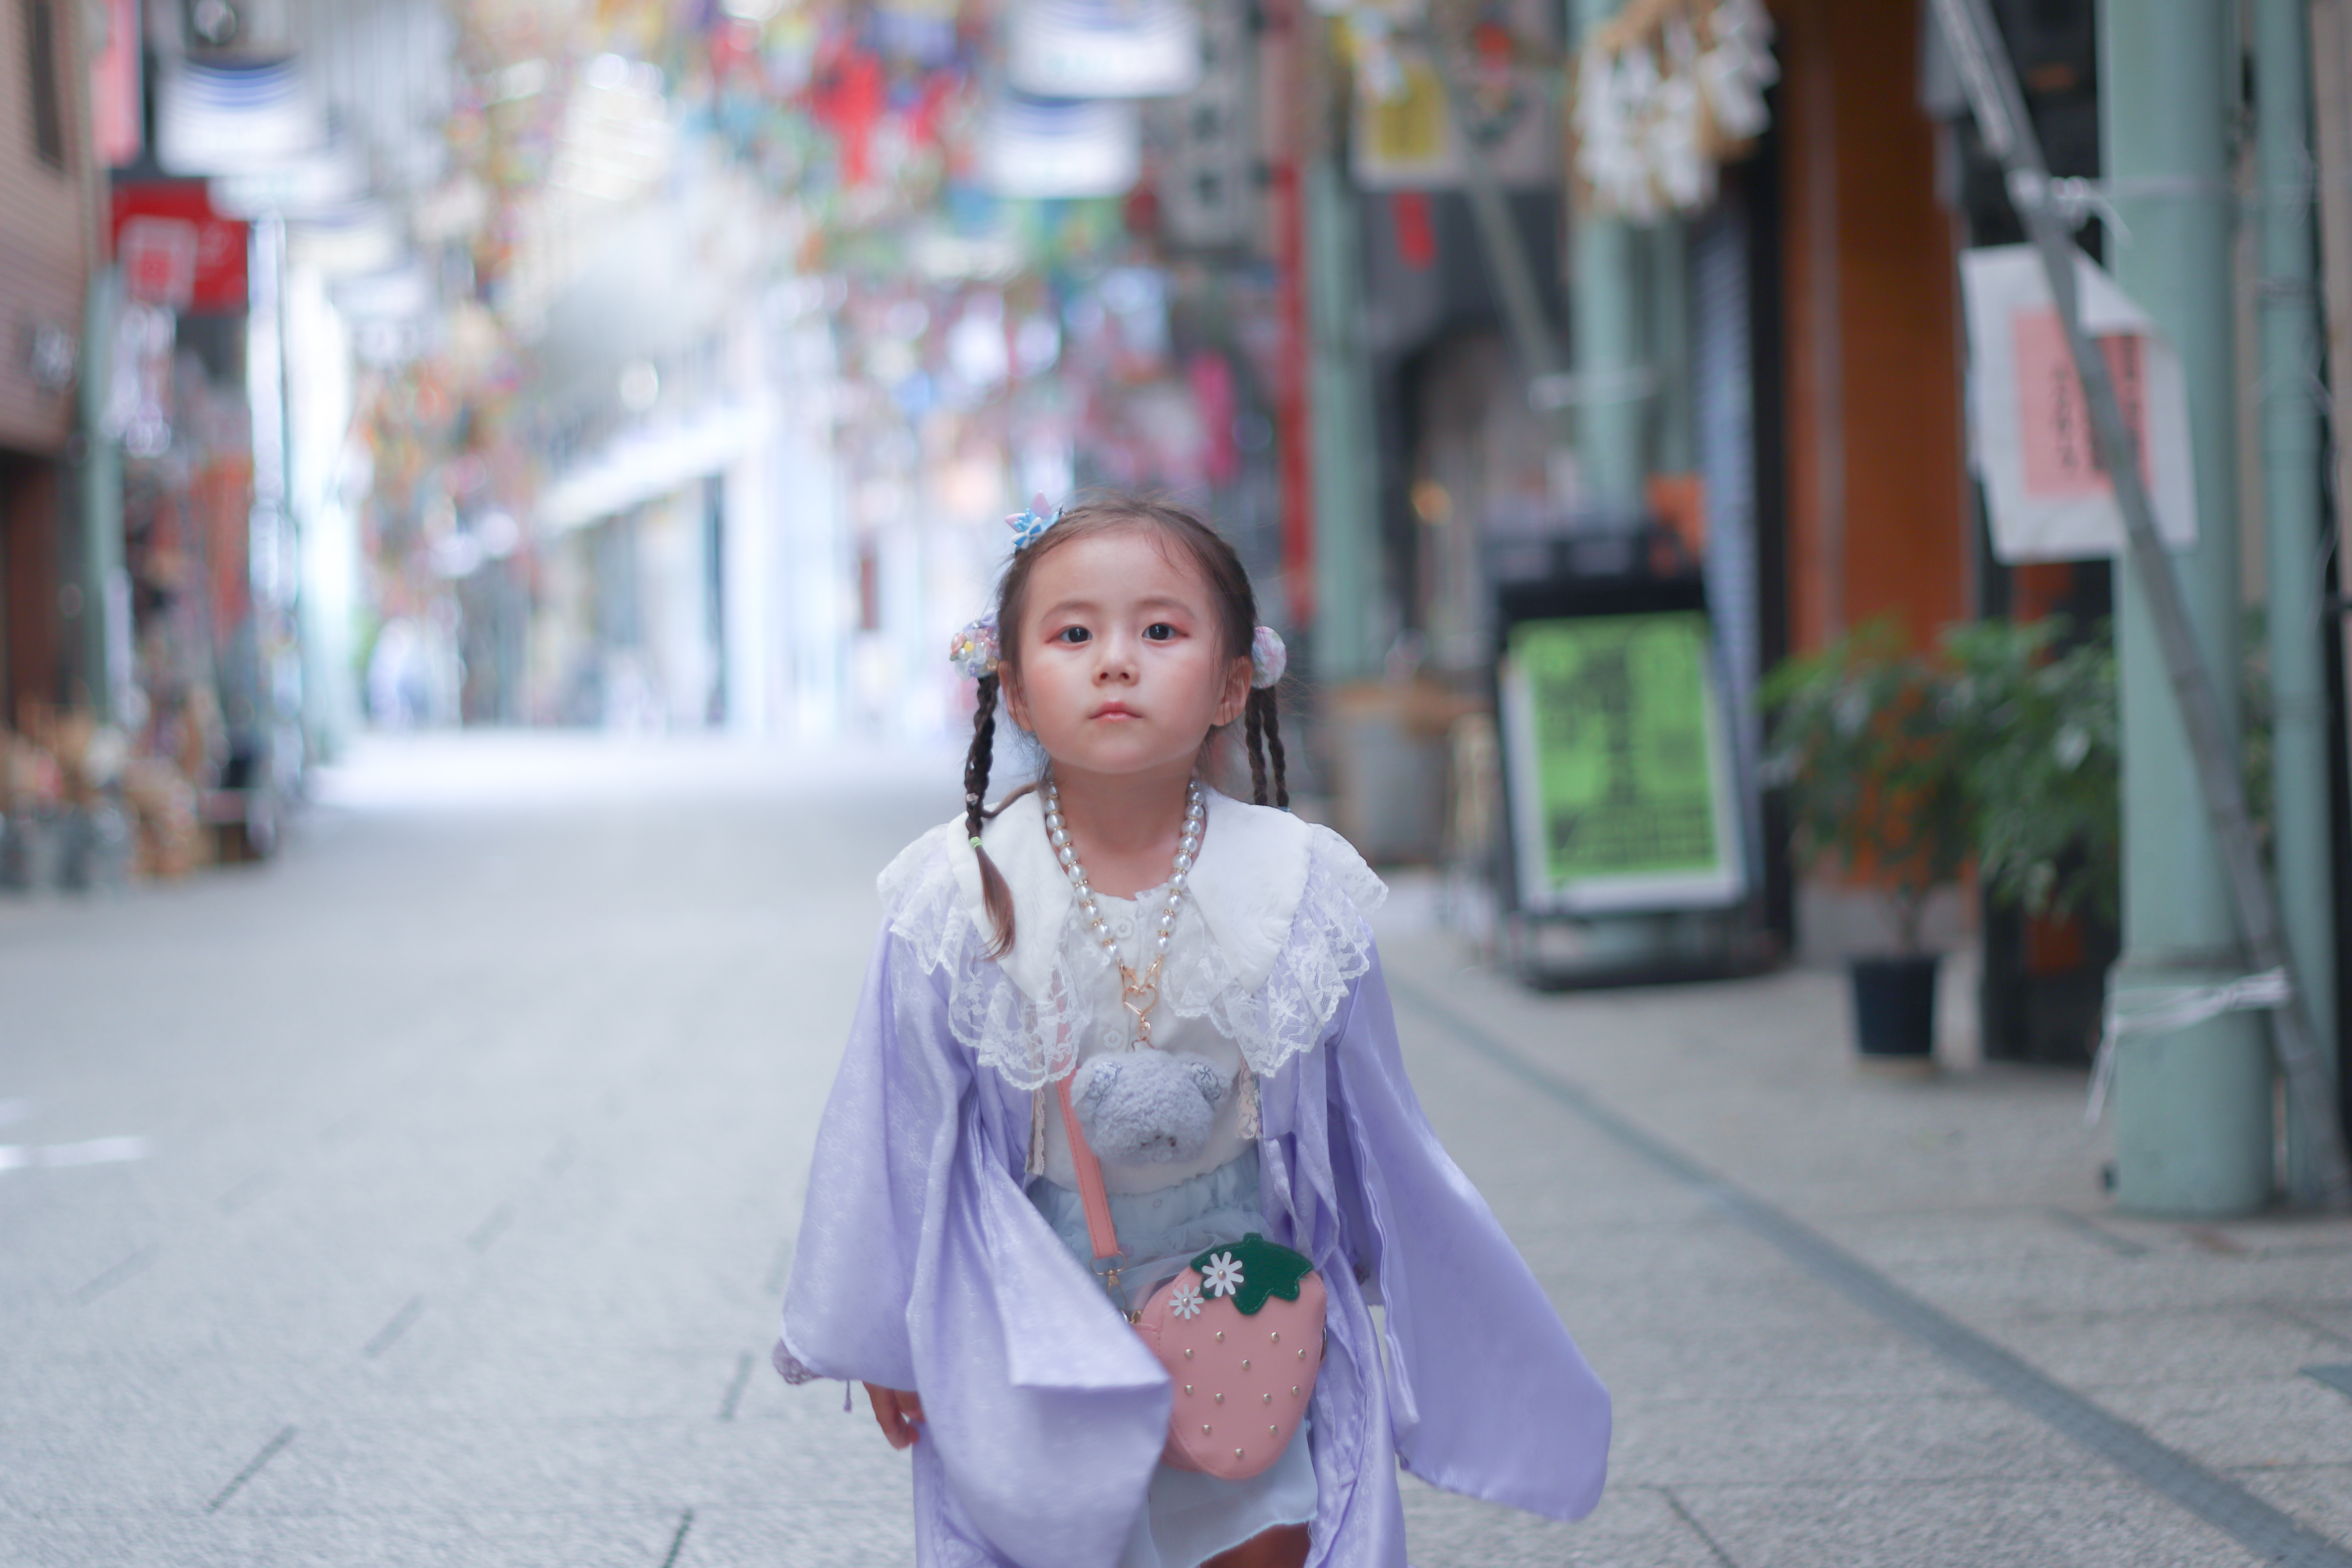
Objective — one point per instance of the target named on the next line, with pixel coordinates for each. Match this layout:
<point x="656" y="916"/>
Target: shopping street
<point x="423" y="1196"/>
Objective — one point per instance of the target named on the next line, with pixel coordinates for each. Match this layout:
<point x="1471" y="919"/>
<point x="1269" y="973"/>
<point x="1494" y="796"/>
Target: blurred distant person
<point x="399" y="682"/>
<point x="1125" y="1018"/>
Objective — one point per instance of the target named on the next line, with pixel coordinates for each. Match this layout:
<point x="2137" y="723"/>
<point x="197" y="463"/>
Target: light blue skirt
<point x="1189" y="1518"/>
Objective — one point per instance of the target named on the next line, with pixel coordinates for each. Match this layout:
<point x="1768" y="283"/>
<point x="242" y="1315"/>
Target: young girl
<point x="1121" y="911"/>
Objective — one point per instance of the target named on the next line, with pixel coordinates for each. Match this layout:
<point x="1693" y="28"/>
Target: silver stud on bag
<point x="1221" y="1336"/>
<point x="1218" y="1398"/>
<point x="1244" y="1364"/>
<point x="1302" y="1355"/>
<point x="1273" y="1431"/>
<point x="1188" y="1353"/>
<point x="1188" y="1388"/>
<point x="1266" y="1399"/>
<point x="1294" y="1391"/>
<point x="1237" y="1453"/>
<point x="1275" y="1337"/>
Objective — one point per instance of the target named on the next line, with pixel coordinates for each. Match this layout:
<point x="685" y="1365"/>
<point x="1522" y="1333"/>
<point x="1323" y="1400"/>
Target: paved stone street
<point x="426" y="1197"/>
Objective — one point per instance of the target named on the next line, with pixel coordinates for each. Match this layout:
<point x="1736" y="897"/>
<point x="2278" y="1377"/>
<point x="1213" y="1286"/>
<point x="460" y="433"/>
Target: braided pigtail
<point x="1261" y="730"/>
<point x="1274" y="747"/>
<point x="1253" y="743"/>
<point x="994" y="893"/>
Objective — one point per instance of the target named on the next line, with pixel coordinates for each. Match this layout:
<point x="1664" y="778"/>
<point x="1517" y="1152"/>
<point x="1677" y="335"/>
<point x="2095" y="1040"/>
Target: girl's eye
<point x="1072" y="634"/>
<point x="1160" y="631"/>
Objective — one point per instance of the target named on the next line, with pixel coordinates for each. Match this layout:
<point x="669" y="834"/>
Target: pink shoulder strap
<point x="1100" y="1234"/>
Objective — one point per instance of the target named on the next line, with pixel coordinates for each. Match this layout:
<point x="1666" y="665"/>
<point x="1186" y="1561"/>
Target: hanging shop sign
<point x="1047" y="148"/>
<point x="2029" y="425"/>
<point x="1414" y="111"/>
<point x="115" y="85"/>
<point x="176" y="249"/>
<point x="1208" y="140"/>
<point x="1619" y="765"/>
<point x="228" y="117"/>
<point x="1103" y="48"/>
<point x="1667" y="91"/>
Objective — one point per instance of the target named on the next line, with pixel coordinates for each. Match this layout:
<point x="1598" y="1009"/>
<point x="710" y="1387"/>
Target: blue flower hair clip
<point x="1027" y="525"/>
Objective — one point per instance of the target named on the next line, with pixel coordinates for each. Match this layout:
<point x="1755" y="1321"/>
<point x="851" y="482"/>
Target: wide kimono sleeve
<point x="921" y="1265"/>
<point x="1488" y="1395"/>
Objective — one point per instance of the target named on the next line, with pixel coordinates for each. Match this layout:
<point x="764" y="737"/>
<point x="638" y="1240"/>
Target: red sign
<point x="2055" y="416"/>
<point x="114" y="85"/>
<point x="175" y="250"/>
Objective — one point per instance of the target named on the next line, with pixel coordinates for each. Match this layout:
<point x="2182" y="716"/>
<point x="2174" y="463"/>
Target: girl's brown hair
<point x="1236" y="610"/>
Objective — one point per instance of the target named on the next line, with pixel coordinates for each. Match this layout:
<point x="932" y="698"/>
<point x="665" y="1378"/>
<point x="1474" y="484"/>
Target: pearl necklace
<point x="1138" y="993"/>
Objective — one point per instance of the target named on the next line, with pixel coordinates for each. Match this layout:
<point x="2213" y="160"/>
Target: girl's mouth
<point x="1116" y="710"/>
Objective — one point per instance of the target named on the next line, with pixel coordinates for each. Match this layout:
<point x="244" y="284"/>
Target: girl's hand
<point x="899" y="1412"/>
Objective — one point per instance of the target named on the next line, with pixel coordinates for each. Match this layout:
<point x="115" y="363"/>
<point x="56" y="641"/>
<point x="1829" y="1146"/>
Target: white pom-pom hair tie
<point x="1268" y="658"/>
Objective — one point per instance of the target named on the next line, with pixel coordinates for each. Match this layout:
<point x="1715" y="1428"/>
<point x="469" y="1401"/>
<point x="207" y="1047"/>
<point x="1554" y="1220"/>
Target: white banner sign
<point x="2029" y="425"/>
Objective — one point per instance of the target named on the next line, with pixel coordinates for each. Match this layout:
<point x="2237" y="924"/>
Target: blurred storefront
<point x="58" y="591"/>
<point x="658" y="368"/>
<point x="208" y="241"/>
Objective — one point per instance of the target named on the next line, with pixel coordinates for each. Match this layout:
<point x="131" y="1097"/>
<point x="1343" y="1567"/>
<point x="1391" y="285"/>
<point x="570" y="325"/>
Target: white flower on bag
<point x="1184" y="1301"/>
<point x="1222" y="1277"/>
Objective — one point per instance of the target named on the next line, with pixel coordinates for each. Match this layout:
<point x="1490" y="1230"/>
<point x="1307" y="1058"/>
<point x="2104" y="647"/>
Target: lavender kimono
<point x="922" y="1265"/>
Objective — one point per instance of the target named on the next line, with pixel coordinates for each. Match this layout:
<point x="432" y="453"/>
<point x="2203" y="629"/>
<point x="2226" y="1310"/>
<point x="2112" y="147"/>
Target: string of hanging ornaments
<point x="1666" y="92"/>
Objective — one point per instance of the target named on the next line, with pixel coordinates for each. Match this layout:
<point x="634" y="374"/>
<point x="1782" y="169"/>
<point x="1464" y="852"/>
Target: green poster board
<point x="1619" y="772"/>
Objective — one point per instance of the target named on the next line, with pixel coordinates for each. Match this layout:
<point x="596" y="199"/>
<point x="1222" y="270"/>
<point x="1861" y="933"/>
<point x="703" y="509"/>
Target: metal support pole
<point x="1606" y="337"/>
<point x="1506" y="259"/>
<point x="2192" y="1112"/>
<point x="1668" y="270"/>
<point x="2331" y="125"/>
<point x="104" y="655"/>
<point x="2194" y="1118"/>
<point x="1346" y="495"/>
<point x="2291" y="393"/>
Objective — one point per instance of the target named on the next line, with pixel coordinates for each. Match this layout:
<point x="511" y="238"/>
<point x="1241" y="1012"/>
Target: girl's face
<point x="1122" y="663"/>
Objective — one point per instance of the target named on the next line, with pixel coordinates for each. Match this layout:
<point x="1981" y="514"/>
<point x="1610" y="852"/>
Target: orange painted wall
<point x="1877" y="482"/>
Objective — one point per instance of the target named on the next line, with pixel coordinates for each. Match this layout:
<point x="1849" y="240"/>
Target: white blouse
<point x="1265" y="951"/>
<point x="1131" y="922"/>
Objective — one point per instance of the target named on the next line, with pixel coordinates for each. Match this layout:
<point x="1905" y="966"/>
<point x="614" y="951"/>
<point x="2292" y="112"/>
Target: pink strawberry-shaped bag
<point x="1240" y="1332"/>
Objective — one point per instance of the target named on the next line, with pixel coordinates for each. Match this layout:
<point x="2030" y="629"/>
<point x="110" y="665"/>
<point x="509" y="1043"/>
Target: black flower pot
<point x="1895" y="1006"/>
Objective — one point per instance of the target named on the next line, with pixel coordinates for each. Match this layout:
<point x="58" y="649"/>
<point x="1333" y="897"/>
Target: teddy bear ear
<point x="1094" y="1080"/>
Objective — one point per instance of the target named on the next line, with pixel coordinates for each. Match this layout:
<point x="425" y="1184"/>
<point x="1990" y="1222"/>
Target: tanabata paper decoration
<point x="848" y="102"/>
<point x="1665" y="92"/>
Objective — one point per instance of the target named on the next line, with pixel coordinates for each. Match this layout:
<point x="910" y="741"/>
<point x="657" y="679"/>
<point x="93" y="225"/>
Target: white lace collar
<point x="1270" y="944"/>
<point x="1245" y="886"/>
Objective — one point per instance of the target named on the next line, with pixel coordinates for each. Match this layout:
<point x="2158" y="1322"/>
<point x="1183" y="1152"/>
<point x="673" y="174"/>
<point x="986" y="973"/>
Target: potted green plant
<point x="2039" y="712"/>
<point x="2038" y="701"/>
<point x="1863" y="739"/>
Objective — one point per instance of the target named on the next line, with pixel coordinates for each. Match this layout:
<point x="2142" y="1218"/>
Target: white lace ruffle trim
<point x="1034" y="1042"/>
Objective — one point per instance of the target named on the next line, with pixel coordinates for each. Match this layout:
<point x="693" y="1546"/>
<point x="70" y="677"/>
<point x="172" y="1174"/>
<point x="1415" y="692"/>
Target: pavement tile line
<point x="677" y="1541"/>
<point x="1715" y="1548"/>
<point x="2090" y="1229"/>
<point x="269" y="1451"/>
<point x="2270" y="1534"/>
<point x="735" y="1387"/>
<point x="136" y="1264"/>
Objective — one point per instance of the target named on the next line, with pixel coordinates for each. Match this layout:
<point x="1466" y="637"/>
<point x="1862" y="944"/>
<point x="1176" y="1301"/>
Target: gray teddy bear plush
<point x="1147" y="1106"/>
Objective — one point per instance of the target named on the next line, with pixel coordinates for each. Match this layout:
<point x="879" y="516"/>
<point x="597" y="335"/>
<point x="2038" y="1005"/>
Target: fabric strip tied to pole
<point x="2162" y="1009"/>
